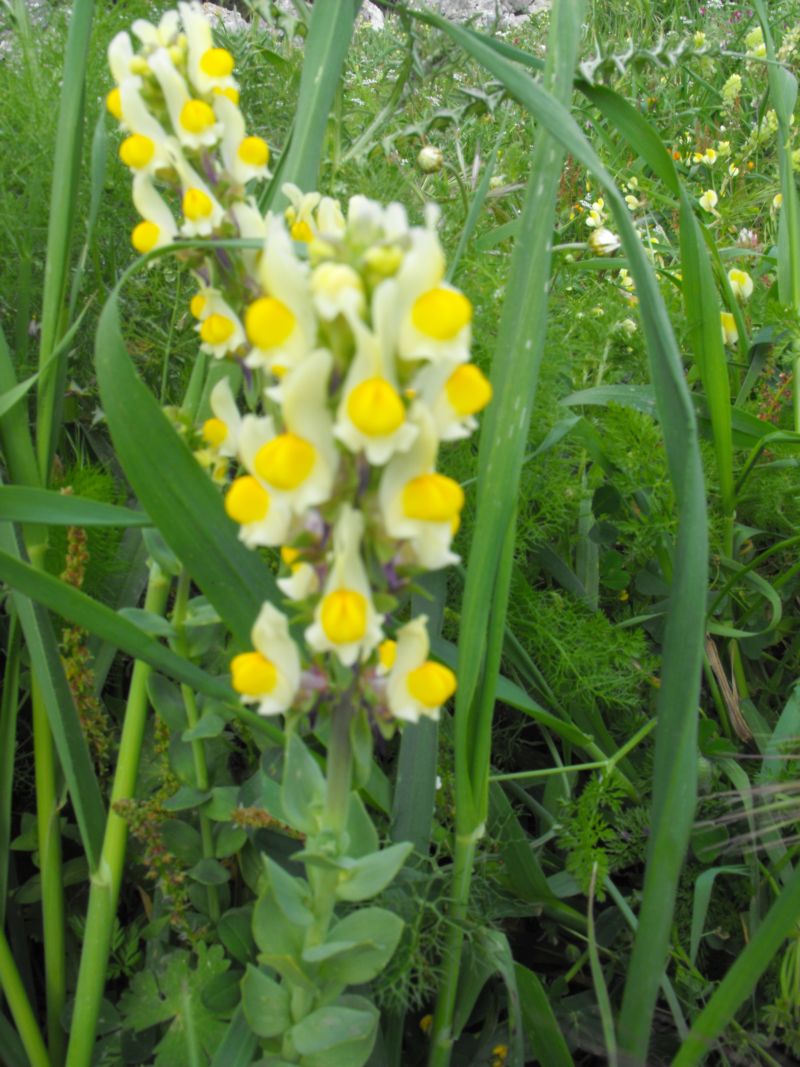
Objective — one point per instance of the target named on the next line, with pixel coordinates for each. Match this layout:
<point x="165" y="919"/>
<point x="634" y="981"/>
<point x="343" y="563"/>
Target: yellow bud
<point x="290" y="555"/>
<point x="441" y="313"/>
<point x="216" y="63"/>
<point x="196" y="204"/>
<point x="197" y="305"/>
<point x="145" y="236"/>
<point x="301" y="231"/>
<point x="344" y="616"/>
<point x="252" y="674"/>
<point x="229" y="91"/>
<point x="268" y="322"/>
<point x="176" y="54"/>
<point x="468" y="389"/>
<point x="387" y="653"/>
<point x="285" y="461"/>
<point x="384" y="259"/>
<point x="375" y="408"/>
<point x="214" y="431"/>
<point x="431" y="684"/>
<point x="433" y="498"/>
<point x="136" y="151"/>
<point x="254" y="151"/>
<point x="216" y="329"/>
<point x="138" y="65"/>
<point x="246" y="500"/>
<point x="114" y="104"/>
<point x="196" y="116"/>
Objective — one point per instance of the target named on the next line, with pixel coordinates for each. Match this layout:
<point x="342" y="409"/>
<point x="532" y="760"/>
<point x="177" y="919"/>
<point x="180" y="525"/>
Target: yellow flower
<point x="269" y="676"/>
<point x="193" y="121"/>
<point x="158" y="226"/>
<point x="417" y="686"/>
<point x="708" y="201"/>
<point x="741" y="283"/>
<point x="730" y="335"/>
<point x="210" y="69"/>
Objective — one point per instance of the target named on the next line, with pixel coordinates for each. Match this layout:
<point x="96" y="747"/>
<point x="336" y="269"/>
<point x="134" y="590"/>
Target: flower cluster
<point x="354" y="353"/>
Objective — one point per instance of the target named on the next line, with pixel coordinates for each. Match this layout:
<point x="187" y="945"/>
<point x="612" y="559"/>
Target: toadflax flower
<point x="708" y="201"/>
<point x="417" y="686"/>
<point x="741" y="284"/>
<point x="730" y="335"/>
<point x="270" y="675"/>
<point x="603" y="242"/>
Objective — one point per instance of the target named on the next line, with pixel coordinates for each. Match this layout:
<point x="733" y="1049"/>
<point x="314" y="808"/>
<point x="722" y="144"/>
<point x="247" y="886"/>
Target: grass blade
<point x="540" y="1024"/>
<point x="24" y="504"/>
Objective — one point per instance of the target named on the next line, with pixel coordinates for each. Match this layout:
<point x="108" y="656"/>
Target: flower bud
<point x="430" y="159"/>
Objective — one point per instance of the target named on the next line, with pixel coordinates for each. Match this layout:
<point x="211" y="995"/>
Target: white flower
<point x="148" y="148"/>
<point x="454" y="393"/>
<point x="264" y="517"/>
<point x="223" y="428"/>
<point x="708" y="201"/>
<point x="162" y="36"/>
<point x="244" y="157"/>
<point x="120" y="55"/>
<point x="337" y="290"/>
<point x="417" y="686"/>
<point x="220" y="329"/>
<point x="372" y="416"/>
<point x="202" y="212"/>
<point x="300" y="215"/>
<point x="281" y="325"/>
<point x="418" y="505"/>
<point x="741" y="283"/>
<point x="730" y="335"/>
<point x="345" y="620"/>
<point x="158" y="226"/>
<point x="603" y="242"/>
<point x="435" y="316"/>
<point x="193" y="120"/>
<point x="302" y="581"/>
<point x="269" y="676"/>
<point x="210" y="69"/>
<point x="299" y="465"/>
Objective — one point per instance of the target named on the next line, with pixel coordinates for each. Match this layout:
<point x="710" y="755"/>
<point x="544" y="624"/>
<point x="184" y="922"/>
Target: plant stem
<point x="198" y="748"/>
<point x="106" y="880"/>
<point x="49" y="841"/>
<point x="20" y="1007"/>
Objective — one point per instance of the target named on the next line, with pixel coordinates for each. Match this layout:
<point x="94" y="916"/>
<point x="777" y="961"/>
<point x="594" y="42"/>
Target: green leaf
<point x="234" y="930"/>
<point x="73" y="753"/>
<point x="339" y="1035"/>
<point x="368" y="875"/>
<point x="292" y="895"/>
<point x="361" y="833"/>
<point x="147" y="622"/>
<point x="172" y="487"/>
<point x="186" y="798"/>
<point x="238" y="1044"/>
<point x="540" y="1025"/>
<point x="209" y="872"/>
<point x="229" y="840"/>
<point x="358" y="948"/>
<point x="19" y="503"/>
<point x="265" y="1004"/>
<point x="703" y="886"/>
<point x="170" y="991"/>
<point x="302" y="789"/>
<point x="280" y="943"/>
<point x="182" y="840"/>
<point x="210" y="725"/>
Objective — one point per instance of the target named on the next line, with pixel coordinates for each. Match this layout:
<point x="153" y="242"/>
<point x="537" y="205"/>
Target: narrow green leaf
<point x="541" y="1027"/>
<point x="174" y="490"/>
<point x="28" y="504"/>
<point x="702" y="897"/>
<point x="239" y="1044"/>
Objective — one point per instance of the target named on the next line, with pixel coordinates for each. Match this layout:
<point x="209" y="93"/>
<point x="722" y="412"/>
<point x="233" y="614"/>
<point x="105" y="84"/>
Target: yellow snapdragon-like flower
<point x="164" y="35"/>
<point x="157" y="227"/>
<point x="741" y="284"/>
<point x="417" y="686"/>
<point x="220" y="329"/>
<point x="300" y="213"/>
<point x="454" y="394"/>
<point x="435" y="318"/>
<point x="730" y="335"/>
<point x="709" y="200"/>
<point x="222" y="429"/>
<point x="345" y="620"/>
<point x="302" y="581"/>
<point x="244" y="157"/>
<point x="603" y="242"/>
<point x="193" y="119"/>
<point x="418" y="505"/>
<point x="270" y="675"/>
<point x="210" y="69"/>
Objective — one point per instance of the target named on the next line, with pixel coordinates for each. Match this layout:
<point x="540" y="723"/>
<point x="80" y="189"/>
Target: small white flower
<point x="603" y="242"/>
<point x="708" y="201"/>
<point x="741" y="283"/>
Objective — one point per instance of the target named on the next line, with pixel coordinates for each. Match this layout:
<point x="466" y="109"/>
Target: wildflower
<point x="724" y="148"/>
<point x="222" y="430"/>
<point x="270" y="675"/>
<point x="430" y="159"/>
<point x="417" y="686"/>
<point x="632" y="202"/>
<point x="219" y="326"/>
<point x="300" y="213"/>
<point x="597" y="215"/>
<point x="699" y="39"/>
<point x="733" y="170"/>
<point x="345" y="620"/>
<point x="732" y="88"/>
<point x="454" y="394"/>
<point x="157" y="227"/>
<point x="603" y="242"/>
<point x="777" y="201"/>
<point x="708" y="201"/>
<point x="193" y="120"/>
<point x="741" y="284"/>
<point x="730" y="335"/>
<point x="210" y="69"/>
<point x="302" y="581"/>
<point x="436" y="316"/>
<point x="244" y="157"/>
<point x="754" y="42"/>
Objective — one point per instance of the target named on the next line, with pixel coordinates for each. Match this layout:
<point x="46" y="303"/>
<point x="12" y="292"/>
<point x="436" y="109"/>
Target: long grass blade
<point x="24" y="504"/>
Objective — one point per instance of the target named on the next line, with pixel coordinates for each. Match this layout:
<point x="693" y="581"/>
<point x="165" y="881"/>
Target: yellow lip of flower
<point x="343" y="616"/>
<point x="432" y="498"/>
<point x="285" y="461"/>
<point x="301" y="231"/>
<point x="290" y="555"/>
<point x="145" y="236"/>
<point x="214" y="431"/>
<point x="197" y="204"/>
<point x="268" y="322"/>
<point x="387" y="653"/>
<point x="254" y="151"/>
<point x="197" y="304"/>
<point x="468" y="389"/>
<point x="253" y="674"/>
<point x="247" y="501"/>
<point x="196" y="116"/>
<point x="375" y="408"/>
<point x="114" y="103"/>
<point x="229" y="91"/>
<point x="216" y="63"/>
<point x="431" y="684"/>
<point x="216" y="329"/>
<point x="441" y="313"/>
<point x="136" y="151"/>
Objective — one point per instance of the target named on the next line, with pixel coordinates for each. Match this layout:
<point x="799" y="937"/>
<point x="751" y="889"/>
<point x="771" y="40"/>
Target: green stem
<point x="20" y="1007"/>
<point x="106" y="880"/>
<point x="50" y="866"/>
<point x="198" y="747"/>
<point x="445" y="1005"/>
